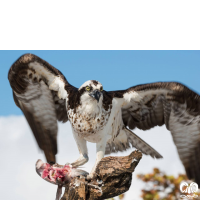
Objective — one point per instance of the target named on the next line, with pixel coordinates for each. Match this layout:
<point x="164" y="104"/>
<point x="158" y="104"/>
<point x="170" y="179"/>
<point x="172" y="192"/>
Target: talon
<point x="88" y="178"/>
<point x="81" y="161"/>
<point x="74" y="165"/>
<point x="91" y="176"/>
<point x="81" y="176"/>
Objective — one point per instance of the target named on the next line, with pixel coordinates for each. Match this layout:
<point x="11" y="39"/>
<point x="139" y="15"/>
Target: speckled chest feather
<point x="87" y="123"/>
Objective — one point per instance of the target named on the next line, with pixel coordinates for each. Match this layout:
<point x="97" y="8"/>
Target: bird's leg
<point x="82" y="147"/>
<point x="100" y="149"/>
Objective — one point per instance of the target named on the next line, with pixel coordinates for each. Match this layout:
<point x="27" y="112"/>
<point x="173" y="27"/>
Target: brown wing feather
<point x="38" y="107"/>
<point x="41" y="105"/>
<point x="42" y="134"/>
<point x="174" y="105"/>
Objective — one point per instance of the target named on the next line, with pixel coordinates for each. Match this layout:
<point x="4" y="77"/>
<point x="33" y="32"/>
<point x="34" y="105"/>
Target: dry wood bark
<point x="114" y="175"/>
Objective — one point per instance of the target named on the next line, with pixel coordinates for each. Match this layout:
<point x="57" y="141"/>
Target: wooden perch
<point x="114" y="176"/>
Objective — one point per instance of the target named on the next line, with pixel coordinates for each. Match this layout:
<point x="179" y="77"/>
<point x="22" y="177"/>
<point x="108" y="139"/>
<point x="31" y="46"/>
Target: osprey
<point x="105" y="117"/>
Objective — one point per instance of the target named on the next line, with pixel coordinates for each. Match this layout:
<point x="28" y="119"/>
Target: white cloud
<point x="19" y="152"/>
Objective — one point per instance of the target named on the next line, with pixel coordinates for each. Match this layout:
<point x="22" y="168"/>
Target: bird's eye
<point x="87" y="88"/>
<point x="101" y="89"/>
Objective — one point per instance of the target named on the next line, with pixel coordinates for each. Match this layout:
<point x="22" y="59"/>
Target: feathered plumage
<point x="106" y="118"/>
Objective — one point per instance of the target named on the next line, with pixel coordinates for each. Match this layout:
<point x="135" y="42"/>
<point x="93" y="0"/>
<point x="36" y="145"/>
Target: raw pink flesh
<point x="55" y="173"/>
<point x="58" y="175"/>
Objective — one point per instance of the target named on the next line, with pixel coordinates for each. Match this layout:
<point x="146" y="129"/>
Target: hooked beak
<point x="96" y="94"/>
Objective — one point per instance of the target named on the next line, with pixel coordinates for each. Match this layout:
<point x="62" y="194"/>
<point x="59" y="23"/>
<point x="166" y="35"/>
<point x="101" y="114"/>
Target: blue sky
<point x="114" y="69"/>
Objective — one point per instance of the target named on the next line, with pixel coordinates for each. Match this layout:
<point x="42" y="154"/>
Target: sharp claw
<point x="88" y="178"/>
<point x="80" y="161"/>
<point x="75" y="165"/>
<point x="91" y="176"/>
<point x="81" y="176"/>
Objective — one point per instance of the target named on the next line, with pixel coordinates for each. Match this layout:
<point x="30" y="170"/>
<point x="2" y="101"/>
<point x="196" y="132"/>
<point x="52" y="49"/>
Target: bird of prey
<point x="105" y="117"/>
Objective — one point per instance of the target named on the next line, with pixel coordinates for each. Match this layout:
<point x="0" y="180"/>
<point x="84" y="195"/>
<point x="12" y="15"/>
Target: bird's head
<point x="91" y="91"/>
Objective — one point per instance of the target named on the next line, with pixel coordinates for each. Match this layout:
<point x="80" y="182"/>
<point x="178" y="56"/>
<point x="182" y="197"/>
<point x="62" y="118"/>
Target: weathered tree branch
<point x="114" y="175"/>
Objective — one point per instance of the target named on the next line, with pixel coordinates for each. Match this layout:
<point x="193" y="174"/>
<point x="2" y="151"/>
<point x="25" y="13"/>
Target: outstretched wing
<point x="169" y="103"/>
<point x="41" y="92"/>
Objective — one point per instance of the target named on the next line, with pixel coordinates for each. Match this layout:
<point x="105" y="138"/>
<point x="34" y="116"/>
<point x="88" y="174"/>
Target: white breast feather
<point x="89" y="107"/>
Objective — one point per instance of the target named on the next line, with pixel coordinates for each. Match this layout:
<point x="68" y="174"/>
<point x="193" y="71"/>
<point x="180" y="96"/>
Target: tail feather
<point x="125" y="140"/>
